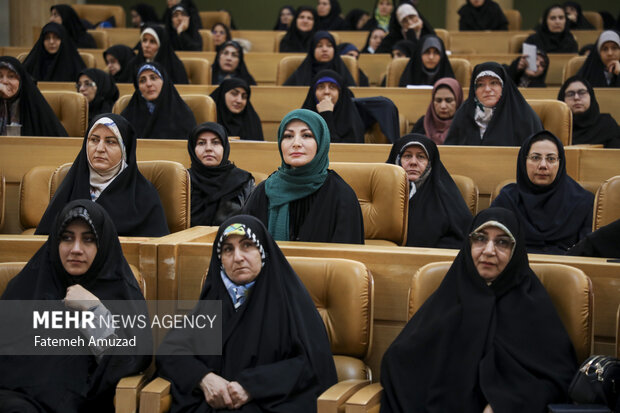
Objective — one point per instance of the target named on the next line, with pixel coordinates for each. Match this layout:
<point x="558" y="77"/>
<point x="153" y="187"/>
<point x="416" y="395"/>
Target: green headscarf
<point x="288" y="184"/>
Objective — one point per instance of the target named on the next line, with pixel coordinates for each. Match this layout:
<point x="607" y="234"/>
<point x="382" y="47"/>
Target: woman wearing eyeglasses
<point x="590" y="126"/>
<point x="99" y="89"/>
<point x="488" y="339"/>
<point x="555" y="211"/>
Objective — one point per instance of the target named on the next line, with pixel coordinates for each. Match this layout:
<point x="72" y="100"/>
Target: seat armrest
<point x="127" y="396"/>
<point x="155" y="396"/>
<point x="332" y="398"/>
<point x="367" y="399"/>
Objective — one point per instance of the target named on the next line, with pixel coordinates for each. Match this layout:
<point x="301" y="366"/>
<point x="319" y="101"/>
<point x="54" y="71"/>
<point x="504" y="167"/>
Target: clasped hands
<point x="223" y="394"/>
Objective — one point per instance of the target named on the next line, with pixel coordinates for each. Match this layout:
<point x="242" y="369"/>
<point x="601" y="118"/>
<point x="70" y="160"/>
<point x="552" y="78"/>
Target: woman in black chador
<point x="65" y="14"/>
<point x="553" y="35"/>
<point x="119" y="62"/>
<point x="428" y="64"/>
<point x="482" y="15"/>
<point x="235" y="111"/>
<point x="299" y="34"/>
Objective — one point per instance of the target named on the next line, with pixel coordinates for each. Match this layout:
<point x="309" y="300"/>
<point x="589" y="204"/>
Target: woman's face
<point x="542" y="163"/>
<point x="476" y="3"/>
<point x="362" y="21"/>
<point x="556" y="20"/>
<point x="323" y="8"/>
<point x="298" y="144"/>
<point x="444" y="103"/>
<point x="55" y="17"/>
<point x="241" y="259"/>
<point x="149" y="46"/>
<point x="397" y="53"/>
<point x="136" y="20"/>
<point x="327" y="89"/>
<point x="236" y="100"/>
<point x="430" y="58"/>
<point x="577" y="97"/>
<point x="305" y="21"/>
<point x="150" y="84"/>
<point x="77" y="247"/>
<point x="375" y="38"/>
<point x="10" y="82"/>
<point x="385" y="7"/>
<point x="51" y="42"/>
<point x="541" y="65"/>
<point x="491" y="249"/>
<point x="286" y="17"/>
<point x="229" y="59"/>
<point x="177" y="18"/>
<point x="112" y="63"/>
<point x="104" y="151"/>
<point x="571" y="13"/>
<point x="86" y="87"/>
<point x="219" y="34"/>
<point x="209" y="149"/>
<point x="414" y="161"/>
<point x="409" y="22"/>
<point x="324" y="51"/>
<point x="610" y="52"/>
<point x="488" y="90"/>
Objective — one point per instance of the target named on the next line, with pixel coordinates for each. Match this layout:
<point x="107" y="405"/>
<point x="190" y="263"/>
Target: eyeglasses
<point x="571" y="94"/>
<point x="481" y="240"/>
<point x="86" y="84"/>
<point x="550" y="159"/>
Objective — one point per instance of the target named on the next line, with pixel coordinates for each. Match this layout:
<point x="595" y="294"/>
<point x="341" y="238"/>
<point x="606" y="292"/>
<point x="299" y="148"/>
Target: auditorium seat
<point x="101" y="38"/>
<point x="88" y="58"/>
<point x="343" y="292"/>
<point x="515" y="44"/>
<point x="514" y="19"/>
<point x="468" y="190"/>
<point x="34" y="197"/>
<point x="207" y="40"/>
<point x="96" y="13"/>
<point x="444" y="35"/>
<point x="595" y="18"/>
<point x="127" y="36"/>
<point x="607" y="203"/>
<point x="461" y="67"/>
<point x="556" y="117"/>
<point x="209" y="18"/>
<point x="2" y="198"/>
<point x="198" y="70"/>
<point x="71" y="108"/>
<point x="383" y="193"/>
<point x="572" y="67"/>
<point x="202" y="106"/>
<point x="289" y="64"/>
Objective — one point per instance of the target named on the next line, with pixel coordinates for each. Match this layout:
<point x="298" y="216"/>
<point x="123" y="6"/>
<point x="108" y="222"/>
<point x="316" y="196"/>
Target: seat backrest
<point x="618" y="333"/>
<point x="462" y="70"/>
<point x="444" y="35"/>
<point x="342" y="291"/>
<point x="71" y="108"/>
<point x="34" y="196"/>
<point x="276" y="41"/>
<point x="556" y="117"/>
<point x="96" y="13"/>
<point x="383" y="193"/>
<point x="101" y="38"/>
<point x="288" y="65"/>
<point x="202" y="106"/>
<point x="209" y="18"/>
<point x="569" y="288"/>
<point x="468" y="190"/>
<point x="171" y="180"/>
<point x="572" y="67"/>
<point x="607" y="203"/>
<point x="127" y="36"/>
<point x="595" y="18"/>
<point x="516" y="43"/>
<point x="395" y="71"/>
<point x="2" y="198"/>
<point x="514" y="19"/>
<point x="198" y="70"/>
<point x="207" y="40"/>
<point x="89" y="60"/>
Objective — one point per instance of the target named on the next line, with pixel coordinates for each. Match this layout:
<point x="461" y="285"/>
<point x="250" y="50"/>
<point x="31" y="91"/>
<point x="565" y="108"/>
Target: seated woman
<point x="523" y="77"/>
<point x="602" y="66"/>
<point x="447" y="97"/>
<point x="156" y="110"/>
<point x="321" y="55"/>
<point x="495" y="113"/>
<point x="400" y="49"/>
<point x="554" y="210"/>
<point x="590" y="126"/>
<point x="382" y="13"/>
<point x="229" y="62"/>
<point x="100" y="91"/>
<point x="482" y="15"/>
<point x="575" y="18"/>
<point x="374" y="39"/>
<point x="333" y="100"/>
<point x="276" y="354"/>
<point x="438" y="215"/>
<point x="65" y="14"/>
<point x="299" y="35"/>
<point x="182" y="31"/>
<point x="553" y="35"/>
<point x="407" y="23"/>
<point x="105" y="171"/>
<point x="220" y="34"/>
<point x="54" y="56"/>
<point x="602" y="243"/>
<point x="349" y="49"/>
<point x="219" y="188"/>
<point x="303" y="200"/>
<point x="119" y="62"/>
<point x="189" y="6"/>
<point x="428" y="64"/>
<point x="285" y="17"/>
<point x="235" y="111"/>
<point x="155" y="47"/>
<point x="490" y="326"/>
<point x="82" y="260"/>
<point x="356" y="19"/>
<point x="329" y="15"/>
<point x="142" y="14"/>
<point x="21" y="103"/>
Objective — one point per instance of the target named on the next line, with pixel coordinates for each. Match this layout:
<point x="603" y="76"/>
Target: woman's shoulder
<point x="338" y="183"/>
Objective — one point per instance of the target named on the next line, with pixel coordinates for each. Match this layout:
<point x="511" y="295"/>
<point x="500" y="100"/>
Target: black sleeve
<point x="419" y="127"/>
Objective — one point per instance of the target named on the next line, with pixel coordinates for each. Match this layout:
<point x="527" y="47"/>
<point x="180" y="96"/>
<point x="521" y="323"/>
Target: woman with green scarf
<point x="303" y="200"/>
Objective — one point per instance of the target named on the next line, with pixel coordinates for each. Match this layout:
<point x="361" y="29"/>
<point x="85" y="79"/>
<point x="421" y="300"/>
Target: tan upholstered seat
<point x="516" y="43"/>
<point x="595" y="18"/>
<point x="461" y="67"/>
<point x="127" y="36"/>
<point x="101" y="38"/>
<point x="2" y="198"/>
<point x="607" y="203"/>
<point x="96" y="13"/>
<point x="514" y="19"/>
<point x="618" y="333"/>
<point x="289" y="64"/>
<point x="202" y="106"/>
<point x="572" y="67"/>
<point x="556" y="117"/>
<point x="198" y="70"/>
<point x="71" y="108"/>
<point x="209" y="18"/>
<point x="468" y="190"/>
<point x="207" y="40"/>
<point x="34" y="196"/>
<point x="444" y="35"/>
<point x="385" y="217"/>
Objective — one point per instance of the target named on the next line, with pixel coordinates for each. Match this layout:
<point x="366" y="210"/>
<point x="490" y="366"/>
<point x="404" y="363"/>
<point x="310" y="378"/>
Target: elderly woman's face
<point x="444" y="103"/>
<point x="577" y="97"/>
<point x="51" y="42"/>
<point x="305" y="21"/>
<point x="414" y="161"/>
<point x="542" y="162"/>
<point x="229" y="59"/>
<point x="150" y="84"/>
<point x="209" y="149"/>
<point x="324" y="51"/>
<point x="149" y="46"/>
<point x="298" y="144"/>
<point x="236" y="100"/>
<point x="488" y="90"/>
<point x="87" y="87"/>
<point x="241" y="259"/>
<point x="77" y="248"/>
<point x="9" y="83"/>
<point x="491" y="249"/>
<point x="103" y="149"/>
